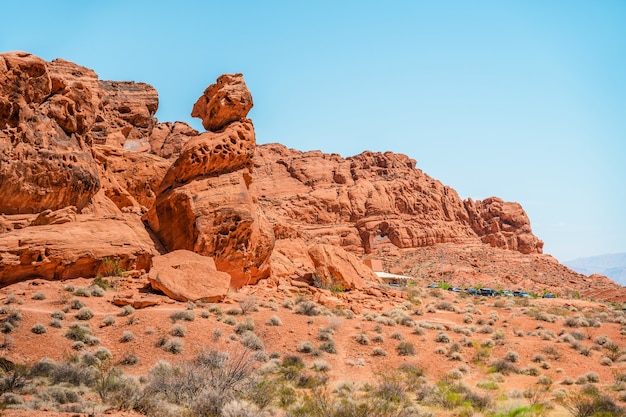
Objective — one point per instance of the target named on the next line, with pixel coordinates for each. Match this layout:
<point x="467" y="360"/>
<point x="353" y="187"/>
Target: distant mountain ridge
<point x="611" y="265"/>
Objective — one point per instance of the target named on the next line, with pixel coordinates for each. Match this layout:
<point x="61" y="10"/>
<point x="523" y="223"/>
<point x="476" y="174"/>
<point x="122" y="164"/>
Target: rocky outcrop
<point x="186" y="276"/>
<point x="204" y="204"/>
<point x="376" y="200"/>
<point x="226" y="101"/>
<point x="45" y="158"/>
<point x="74" y="249"/>
<point x="503" y="224"/>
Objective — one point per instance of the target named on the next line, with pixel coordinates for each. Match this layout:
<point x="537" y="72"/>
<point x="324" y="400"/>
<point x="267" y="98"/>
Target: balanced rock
<point x="186" y="276"/>
<point x="226" y="101"/>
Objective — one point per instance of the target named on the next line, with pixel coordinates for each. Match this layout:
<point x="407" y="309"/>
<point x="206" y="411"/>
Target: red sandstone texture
<point x="83" y="161"/>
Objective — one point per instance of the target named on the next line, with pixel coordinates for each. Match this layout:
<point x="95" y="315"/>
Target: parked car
<point x="433" y="286"/>
<point x="520" y="294"/>
<point x="472" y="291"/>
<point x="454" y="289"/>
<point x="487" y="292"/>
<point x="507" y="293"/>
<point x="548" y="295"/>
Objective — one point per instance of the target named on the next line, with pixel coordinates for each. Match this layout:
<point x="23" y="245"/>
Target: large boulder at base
<point x="81" y="248"/>
<point x="290" y="259"/>
<point x="336" y="267"/>
<point x="186" y="276"/>
<point x="224" y="102"/>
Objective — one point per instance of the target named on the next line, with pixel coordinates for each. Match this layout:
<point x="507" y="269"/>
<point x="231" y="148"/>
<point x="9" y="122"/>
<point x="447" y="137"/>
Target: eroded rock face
<point x="74" y="249"/>
<point x="336" y="267"/>
<point x="186" y="276"/>
<point x="370" y="201"/>
<point x="226" y="101"/>
<point x="45" y="159"/>
<point x="503" y="224"/>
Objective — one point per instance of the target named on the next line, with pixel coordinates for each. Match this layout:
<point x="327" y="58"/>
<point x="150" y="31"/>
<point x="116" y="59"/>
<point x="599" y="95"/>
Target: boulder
<point x="335" y="267"/>
<point x="186" y="276"/>
<point x="81" y="248"/>
<point x="226" y="101"/>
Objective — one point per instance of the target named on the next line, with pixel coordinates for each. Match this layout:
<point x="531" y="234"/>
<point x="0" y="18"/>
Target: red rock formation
<point x="45" y="159"/>
<point x="74" y="249"/>
<point x="376" y="199"/>
<point x="186" y="276"/>
<point x="503" y="225"/>
<point x="204" y="204"/>
<point x="226" y="101"/>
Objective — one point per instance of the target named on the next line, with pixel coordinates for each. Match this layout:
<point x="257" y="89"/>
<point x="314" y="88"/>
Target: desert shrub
<point x="76" y="304"/>
<point x="248" y="304"/>
<point x="39" y="328"/>
<point x="129" y="358"/>
<point x="39" y="296"/>
<point x="73" y="373"/>
<point x="127" y="336"/>
<point x="306" y="347"/>
<point x="288" y="304"/>
<point x="178" y="330"/>
<point x="307" y="308"/>
<point x="82" y="292"/>
<point x="321" y="366"/>
<point x="486" y="329"/>
<point x="183" y="315"/>
<point x="84" y="313"/>
<point x="378" y="351"/>
<point x="250" y="340"/>
<point x="567" y="380"/>
<point x="231" y="321"/>
<point x="127" y="310"/>
<point x="174" y="346"/>
<point x="274" y="321"/>
<point x="379" y="338"/>
<point x="328" y="347"/>
<point x="102" y="353"/>
<point x="108" y="321"/>
<point x="245" y="326"/>
<point x="405" y="349"/>
<point x="503" y="366"/>
<point x="58" y="314"/>
<point x="442" y="338"/>
<point x="9" y="398"/>
<point x="590" y="402"/>
<point x="78" y="331"/>
<point x="512" y="356"/>
<point x="44" y="367"/>
<point x="96" y="291"/>
<point x="59" y="394"/>
<point x="362" y="339"/>
<point x="538" y="358"/>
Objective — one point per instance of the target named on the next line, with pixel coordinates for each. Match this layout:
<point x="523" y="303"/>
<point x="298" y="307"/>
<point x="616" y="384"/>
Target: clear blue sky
<point x="521" y="100"/>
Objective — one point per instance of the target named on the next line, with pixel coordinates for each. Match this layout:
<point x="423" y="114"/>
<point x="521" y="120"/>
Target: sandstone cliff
<point x="83" y="161"/>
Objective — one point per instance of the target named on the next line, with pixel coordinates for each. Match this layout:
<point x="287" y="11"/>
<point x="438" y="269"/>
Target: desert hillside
<point x="146" y="267"/>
